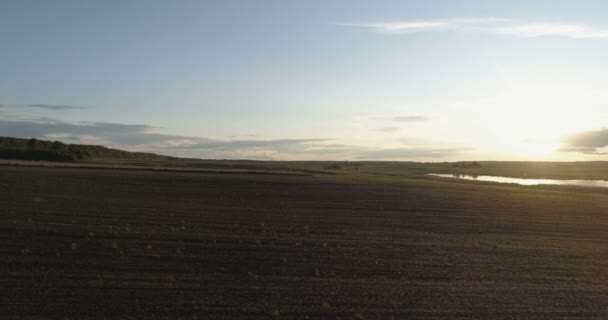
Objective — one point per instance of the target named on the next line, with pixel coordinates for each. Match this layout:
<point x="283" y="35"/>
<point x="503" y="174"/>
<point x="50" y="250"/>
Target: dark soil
<point x="94" y="244"/>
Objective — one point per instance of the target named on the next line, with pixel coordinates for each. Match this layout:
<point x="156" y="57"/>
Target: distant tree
<point x="58" y="145"/>
<point x="32" y="143"/>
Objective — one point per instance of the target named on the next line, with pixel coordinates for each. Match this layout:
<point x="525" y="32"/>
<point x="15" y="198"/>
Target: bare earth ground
<point x="87" y="243"/>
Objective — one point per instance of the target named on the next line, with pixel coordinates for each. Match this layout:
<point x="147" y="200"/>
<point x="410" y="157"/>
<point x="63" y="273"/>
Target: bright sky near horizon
<point x="310" y="80"/>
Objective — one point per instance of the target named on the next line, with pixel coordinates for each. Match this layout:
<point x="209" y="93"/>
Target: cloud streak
<point x="54" y="107"/>
<point x="426" y="25"/>
<point x="410" y="153"/>
<point x="237" y="144"/>
<point x="138" y="137"/>
<point x="414" y="118"/>
<point x="490" y="25"/>
<point x="554" y="29"/>
<point x="388" y="129"/>
<point x="110" y="133"/>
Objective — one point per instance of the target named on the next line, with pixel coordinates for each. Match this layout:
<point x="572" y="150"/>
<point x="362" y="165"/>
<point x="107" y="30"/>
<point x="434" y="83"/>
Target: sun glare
<point x="529" y="117"/>
<point x="529" y="139"/>
<point x="535" y="149"/>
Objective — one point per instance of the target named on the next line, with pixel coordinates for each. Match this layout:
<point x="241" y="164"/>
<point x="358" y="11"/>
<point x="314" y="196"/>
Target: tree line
<point x="34" y="149"/>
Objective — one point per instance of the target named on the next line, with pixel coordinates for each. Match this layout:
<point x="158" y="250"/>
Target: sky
<point x="310" y="80"/>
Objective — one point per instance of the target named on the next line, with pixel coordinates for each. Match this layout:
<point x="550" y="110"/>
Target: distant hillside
<point x="33" y="149"/>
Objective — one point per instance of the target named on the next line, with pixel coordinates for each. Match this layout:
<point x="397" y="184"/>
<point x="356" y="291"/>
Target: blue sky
<point x="358" y="80"/>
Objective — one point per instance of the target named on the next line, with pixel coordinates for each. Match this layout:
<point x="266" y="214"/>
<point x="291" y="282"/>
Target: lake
<point x="525" y="182"/>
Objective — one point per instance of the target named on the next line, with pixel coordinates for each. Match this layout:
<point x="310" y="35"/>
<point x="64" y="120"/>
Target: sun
<point x="534" y="141"/>
<point x="529" y="117"/>
<point x="528" y="138"/>
<point x="535" y="149"/>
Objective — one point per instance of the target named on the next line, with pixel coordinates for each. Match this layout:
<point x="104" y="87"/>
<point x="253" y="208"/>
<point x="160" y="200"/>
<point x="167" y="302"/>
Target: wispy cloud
<point x="42" y="106"/>
<point x="425" y="25"/>
<point x="139" y="137"/>
<point x="554" y="29"/>
<point x="488" y="25"/>
<point x="388" y="129"/>
<point x="230" y="144"/>
<point x="413" y="118"/>
<point x="410" y="153"/>
<point x="406" y="26"/>
<point x="55" y="106"/>
<point x="114" y="134"/>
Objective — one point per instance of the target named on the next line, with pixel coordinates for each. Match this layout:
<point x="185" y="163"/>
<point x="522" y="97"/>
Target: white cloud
<point x="489" y="25"/>
<point x="426" y="25"/>
<point x="413" y="26"/>
<point x="554" y="29"/>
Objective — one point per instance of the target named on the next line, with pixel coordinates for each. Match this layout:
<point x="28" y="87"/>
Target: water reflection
<point x="525" y="182"/>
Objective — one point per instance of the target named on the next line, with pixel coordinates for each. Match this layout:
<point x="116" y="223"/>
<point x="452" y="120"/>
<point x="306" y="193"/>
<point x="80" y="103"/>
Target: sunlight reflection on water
<point x="525" y="182"/>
